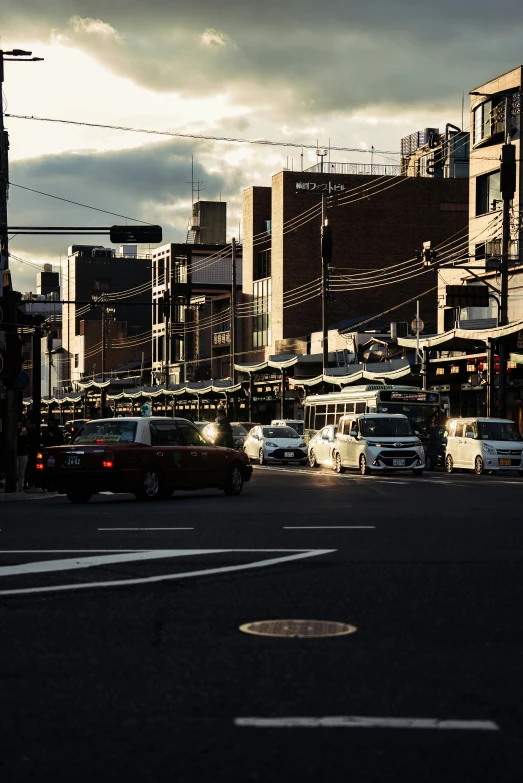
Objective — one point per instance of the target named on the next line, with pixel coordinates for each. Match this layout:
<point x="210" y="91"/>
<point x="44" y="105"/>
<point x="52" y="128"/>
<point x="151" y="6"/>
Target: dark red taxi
<point x="150" y="457"/>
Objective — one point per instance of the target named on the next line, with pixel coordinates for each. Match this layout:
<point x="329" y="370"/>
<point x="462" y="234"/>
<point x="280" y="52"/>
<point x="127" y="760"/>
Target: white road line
<point x="168" y="577"/>
<point x="359" y="722"/>
<point x="70" y="564"/>
<point x="145" y="528"/>
<point x="332" y="527"/>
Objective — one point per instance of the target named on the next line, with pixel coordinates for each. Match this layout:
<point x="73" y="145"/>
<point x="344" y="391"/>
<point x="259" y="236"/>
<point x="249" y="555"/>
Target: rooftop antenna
<point x="195" y="186"/>
<point x="321" y="153"/>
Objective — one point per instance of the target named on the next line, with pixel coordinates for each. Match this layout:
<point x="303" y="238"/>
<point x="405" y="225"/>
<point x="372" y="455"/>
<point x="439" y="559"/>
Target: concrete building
<point x="377" y="221"/>
<point x="208" y="223"/>
<point x="87" y="274"/>
<point x="198" y="346"/>
<point x="429" y="153"/>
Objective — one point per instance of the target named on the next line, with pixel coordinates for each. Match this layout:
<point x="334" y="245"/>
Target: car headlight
<point x="271" y="445"/>
<point x="488" y="448"/>
<point x="373" y="443"/>
<point x="302" y="445"/>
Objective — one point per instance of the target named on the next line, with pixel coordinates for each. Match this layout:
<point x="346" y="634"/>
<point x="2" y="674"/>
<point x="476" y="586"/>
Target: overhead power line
<point x="231" y="139"/>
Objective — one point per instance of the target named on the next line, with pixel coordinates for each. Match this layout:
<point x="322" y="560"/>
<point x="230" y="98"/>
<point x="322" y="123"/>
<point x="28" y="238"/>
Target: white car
<point x="294" y="424"/>
<point x="377" y="442"/>
<point x="484" y="445"/>
<point x="322" y="446"/>
<point x="275" y="444"/>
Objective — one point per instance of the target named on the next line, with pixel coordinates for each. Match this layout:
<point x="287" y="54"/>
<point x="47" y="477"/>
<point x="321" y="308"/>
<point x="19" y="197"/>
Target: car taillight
<point x="108" y="463"/>
<point x="39" y="465"/>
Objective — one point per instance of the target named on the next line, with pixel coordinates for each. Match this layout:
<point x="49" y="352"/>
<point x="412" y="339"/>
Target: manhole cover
<point x="302" y="629"/>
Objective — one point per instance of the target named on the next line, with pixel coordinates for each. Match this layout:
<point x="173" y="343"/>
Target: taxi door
<point x="172" y="455"/>
<point x="206" y="463"/>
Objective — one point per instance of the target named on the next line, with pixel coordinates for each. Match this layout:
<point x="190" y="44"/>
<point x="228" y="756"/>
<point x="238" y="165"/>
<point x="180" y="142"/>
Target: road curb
<point x="12" y="497"/>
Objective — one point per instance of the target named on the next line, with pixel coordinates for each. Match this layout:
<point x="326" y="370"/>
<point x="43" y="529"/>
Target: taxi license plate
<point x="288" y="454"/>
<point x="72" y="461"/>
<point x="505" y="462"/>
<point x="398" y="463"/>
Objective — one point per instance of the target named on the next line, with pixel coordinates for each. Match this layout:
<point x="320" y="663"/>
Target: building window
<point x="262" y="265"/>
<point x="489" y="119"/>
<point x="268" y="226"/>
<point x="76" y="361"/>
<point x="261" y="329"/>
<point x="101" y="285"/>
<point x="488" y="193"/>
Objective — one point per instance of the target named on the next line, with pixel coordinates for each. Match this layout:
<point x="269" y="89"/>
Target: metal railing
<point x="355" y="168"/>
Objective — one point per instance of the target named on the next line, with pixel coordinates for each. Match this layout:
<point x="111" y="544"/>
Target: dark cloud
<point x="302" y="57"/>
<point x="151" y="183"/>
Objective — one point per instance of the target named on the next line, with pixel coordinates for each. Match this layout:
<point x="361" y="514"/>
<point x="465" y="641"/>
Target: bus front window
<point x="421" y="417"/>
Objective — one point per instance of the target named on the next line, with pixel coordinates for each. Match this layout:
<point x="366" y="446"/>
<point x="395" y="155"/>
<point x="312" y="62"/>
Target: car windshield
<point x="385" y="428"/>
<point x="120" y="431"/>
<point x="237" y="429"/>
<point x="279" y="433"/>
<point x="498" y="430"/>
<point x="297" y="426"/>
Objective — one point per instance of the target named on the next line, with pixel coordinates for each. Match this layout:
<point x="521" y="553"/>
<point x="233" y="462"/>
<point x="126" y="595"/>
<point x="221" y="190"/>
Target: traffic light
<point x="427" y="255"/>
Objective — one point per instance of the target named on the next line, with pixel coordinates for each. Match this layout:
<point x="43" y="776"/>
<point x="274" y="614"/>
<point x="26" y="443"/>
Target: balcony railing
<point x="355" y="168"/>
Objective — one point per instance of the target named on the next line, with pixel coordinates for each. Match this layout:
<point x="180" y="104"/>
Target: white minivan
<point x="378" y="442"/>
<point x="483" y="445"/>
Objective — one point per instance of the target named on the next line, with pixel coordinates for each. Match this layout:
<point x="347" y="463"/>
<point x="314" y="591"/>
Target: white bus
<point x="422" y="408"/>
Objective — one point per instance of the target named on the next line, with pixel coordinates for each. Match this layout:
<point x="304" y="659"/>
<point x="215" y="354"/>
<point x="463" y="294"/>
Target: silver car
<point x="322" y="446"/>
<point x="275" y="444"/>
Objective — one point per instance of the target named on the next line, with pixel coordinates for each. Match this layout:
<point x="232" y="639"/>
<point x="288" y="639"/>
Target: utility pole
<point x="326" y="258"/>
<point x="8" y="415"/>
<point x="233" y="310"/>
<point x="102" y="390"/>
<point x="37" y="378"/>
<point x="167" y="318"/>
<point x="508" y="187"/>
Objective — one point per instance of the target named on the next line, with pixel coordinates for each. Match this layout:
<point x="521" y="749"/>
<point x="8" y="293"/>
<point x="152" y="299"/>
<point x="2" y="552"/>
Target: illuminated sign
<point x="403" y="396"/>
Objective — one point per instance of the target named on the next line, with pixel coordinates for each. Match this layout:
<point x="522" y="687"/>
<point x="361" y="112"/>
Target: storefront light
<point x="440" y="371"/>
<point x="454" y="369"/>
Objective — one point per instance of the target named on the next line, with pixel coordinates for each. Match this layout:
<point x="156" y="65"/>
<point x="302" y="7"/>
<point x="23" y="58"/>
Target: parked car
<point x="322" y="447"/>
<point x="150" y="457"/>
<point x="482" y="444"/>
<point x="295" y="424"/>
<point x="247" y="425"/>
<point x="275" y="444"/>
<point x="378" y="442"/>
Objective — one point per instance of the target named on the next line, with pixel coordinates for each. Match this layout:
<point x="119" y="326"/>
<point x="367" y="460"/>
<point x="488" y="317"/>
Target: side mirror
<point x="469" y="434"/>
<point x="353" y="434"/>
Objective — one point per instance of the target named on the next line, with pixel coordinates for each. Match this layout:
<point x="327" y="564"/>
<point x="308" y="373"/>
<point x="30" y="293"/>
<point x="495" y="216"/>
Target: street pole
<point x="233" y="311"/>
<point x="490" y="378"/>
<point x="102" y="391"/>
<point x="507" y="187"/>
<point x="37" y="380"/>
<point x="326" y="257"/>
<point x="167" y="318"/>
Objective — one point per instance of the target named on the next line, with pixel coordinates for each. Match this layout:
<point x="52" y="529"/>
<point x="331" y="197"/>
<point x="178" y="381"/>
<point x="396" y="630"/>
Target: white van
<point x="483" y="445"/>
<point x="377" y="442"/>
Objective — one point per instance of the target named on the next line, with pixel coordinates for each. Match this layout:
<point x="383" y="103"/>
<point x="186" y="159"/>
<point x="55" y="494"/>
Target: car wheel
<point x="479" y="467"/>
<point x="449" y="464"/>
<point x="234" y="482"/>
<point x="312" y="459"/>
<point x="261" y="457"/>
<point x="151" y="488"/>
<point x="364" y="468"/>
<point x="338" y="467"/>
<point x="79" y="495"/>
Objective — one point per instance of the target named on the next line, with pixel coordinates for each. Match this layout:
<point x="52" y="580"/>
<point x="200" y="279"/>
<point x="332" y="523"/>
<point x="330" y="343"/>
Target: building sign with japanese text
<point x="320" y="187"/>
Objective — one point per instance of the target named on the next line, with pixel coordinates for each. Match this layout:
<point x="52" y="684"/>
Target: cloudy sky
<point x="360" y="74"/>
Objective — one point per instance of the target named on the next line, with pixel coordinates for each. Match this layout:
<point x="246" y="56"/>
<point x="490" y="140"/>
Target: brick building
<point x="389" y="217"/>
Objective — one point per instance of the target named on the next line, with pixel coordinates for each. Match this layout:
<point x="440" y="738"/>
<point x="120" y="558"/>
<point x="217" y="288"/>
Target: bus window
<point x="349" y="407"/>
<point x="319" y="418"/>
<point x="307" y="417"/>
<point x="360" y="407"/>
<point x="331" y="414"/>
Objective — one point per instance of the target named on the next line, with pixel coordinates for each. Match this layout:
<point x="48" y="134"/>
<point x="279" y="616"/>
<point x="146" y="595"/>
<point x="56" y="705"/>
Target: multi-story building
<point x="198" y="342"/>
<point x="377" y="221"/>
<point x="429" y="153"/>
<point x="88" y="275"/>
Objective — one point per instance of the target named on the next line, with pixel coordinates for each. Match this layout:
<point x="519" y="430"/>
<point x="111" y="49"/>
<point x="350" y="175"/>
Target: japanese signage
<point x="320" y="187"/>
<point x="402" y="396"/>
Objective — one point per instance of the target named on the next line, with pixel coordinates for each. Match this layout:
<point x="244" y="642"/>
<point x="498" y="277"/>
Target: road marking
<point x="151" y="579"/>
<point x="145" y="528"/>
<point x="332" y="527"/>
<point x="359" y="722"/>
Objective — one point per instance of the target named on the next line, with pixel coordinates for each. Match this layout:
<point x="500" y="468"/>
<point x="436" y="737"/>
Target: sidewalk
<point x="30" y="494"/>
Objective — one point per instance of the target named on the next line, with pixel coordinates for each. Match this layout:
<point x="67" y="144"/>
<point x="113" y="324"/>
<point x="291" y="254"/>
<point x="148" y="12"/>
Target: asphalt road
<point x="121" y="657"/>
